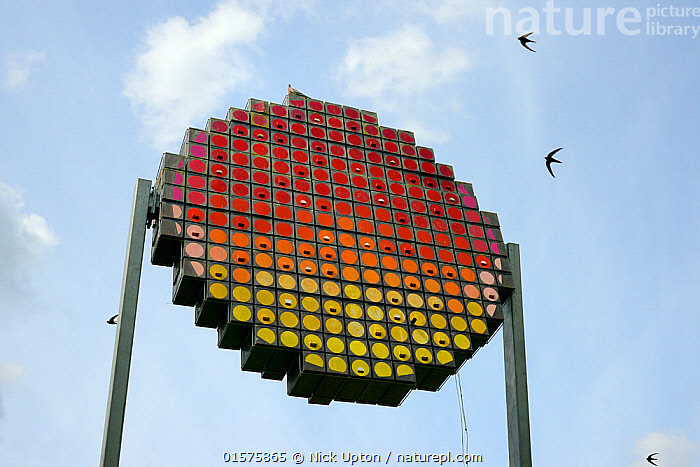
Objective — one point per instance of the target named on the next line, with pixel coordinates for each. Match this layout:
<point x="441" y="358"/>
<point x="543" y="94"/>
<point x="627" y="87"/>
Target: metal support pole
<point x="519" y="449"/>
<point x="121" y="362"/>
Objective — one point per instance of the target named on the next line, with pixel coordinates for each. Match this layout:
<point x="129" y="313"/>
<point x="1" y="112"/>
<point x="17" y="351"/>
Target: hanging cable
<point x="463" y="421"/>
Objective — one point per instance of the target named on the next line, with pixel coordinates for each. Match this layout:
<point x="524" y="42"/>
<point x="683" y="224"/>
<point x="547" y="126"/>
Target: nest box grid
<point x="330" y="250"/>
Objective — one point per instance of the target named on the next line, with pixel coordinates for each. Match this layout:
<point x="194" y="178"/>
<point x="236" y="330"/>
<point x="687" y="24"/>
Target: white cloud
<point x="36" y="230"/>
<point x="673" y="450"/>
<point x="445" y="11"/>
<point x="23" y="238"/>
<point x="398" y="65"/>
<point x="18" y="67"/>
<point x="9" y="373"/>
<point x="398" y="72"/>
<point x="185" y="68"/>
<point x="425" y="135"/>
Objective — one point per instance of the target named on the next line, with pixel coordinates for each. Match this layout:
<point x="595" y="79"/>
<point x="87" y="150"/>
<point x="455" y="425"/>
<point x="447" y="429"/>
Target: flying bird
<point x="550" y="159"/>
<point x="291" y="90"/>
<point x="650" y="458"/>
<point x="112" y="320"/>
<point x="524" y="40"/>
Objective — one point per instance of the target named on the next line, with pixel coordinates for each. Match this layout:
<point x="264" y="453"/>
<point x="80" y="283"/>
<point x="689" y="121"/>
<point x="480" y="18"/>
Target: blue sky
<point x="92" y="94"/>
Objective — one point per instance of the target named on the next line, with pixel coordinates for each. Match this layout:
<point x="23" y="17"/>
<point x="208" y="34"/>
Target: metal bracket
<point x="153" y="204"/>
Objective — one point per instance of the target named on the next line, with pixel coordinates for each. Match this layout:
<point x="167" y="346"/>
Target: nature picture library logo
<point x="658" y="20"/>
